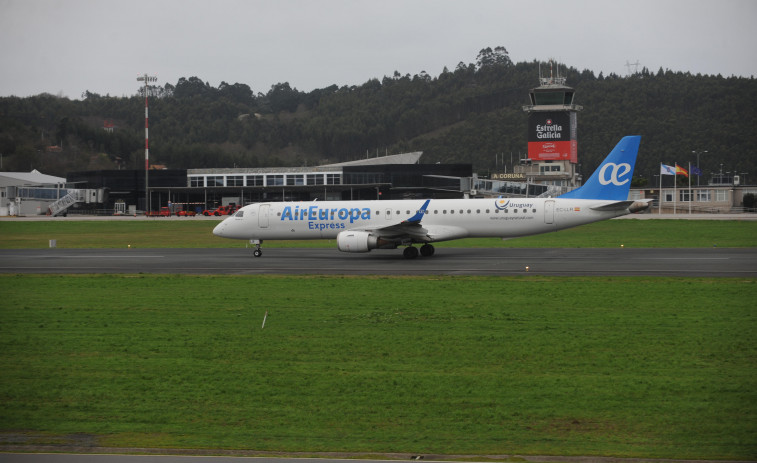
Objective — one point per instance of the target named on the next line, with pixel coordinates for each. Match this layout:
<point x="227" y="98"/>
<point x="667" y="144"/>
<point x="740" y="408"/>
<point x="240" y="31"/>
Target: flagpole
<point x="675" y="188"/>
<point x="690" y="195"/>
<point x="659" y="203"/>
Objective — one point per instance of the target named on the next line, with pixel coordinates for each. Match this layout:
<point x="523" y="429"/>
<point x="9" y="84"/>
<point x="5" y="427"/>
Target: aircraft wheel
<point x="427" y="250"/>
<point x="410" y="252"/>
<point x="257" y="253"/>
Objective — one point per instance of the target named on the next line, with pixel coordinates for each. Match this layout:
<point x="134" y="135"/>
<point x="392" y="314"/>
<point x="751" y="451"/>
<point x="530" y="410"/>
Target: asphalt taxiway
<point x="687" y="262"/>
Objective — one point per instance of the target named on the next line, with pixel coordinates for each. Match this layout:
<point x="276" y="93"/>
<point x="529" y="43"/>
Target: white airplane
<point x="360" y="226"/>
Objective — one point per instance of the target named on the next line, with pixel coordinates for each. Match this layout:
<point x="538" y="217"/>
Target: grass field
<point x="198" y="234"/>
<point x="632" y="367"/>
<point x="645" y="367"/>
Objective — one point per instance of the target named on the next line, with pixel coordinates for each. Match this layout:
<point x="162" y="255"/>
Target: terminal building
<point x="122" y="191"/>
<point x="400" y="176"/>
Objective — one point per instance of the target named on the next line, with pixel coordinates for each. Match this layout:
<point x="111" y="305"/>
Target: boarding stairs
<point x="61" y="205"/>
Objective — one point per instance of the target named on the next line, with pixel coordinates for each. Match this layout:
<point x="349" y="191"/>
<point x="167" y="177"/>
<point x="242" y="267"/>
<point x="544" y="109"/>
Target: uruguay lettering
<point x="501" y="204"/>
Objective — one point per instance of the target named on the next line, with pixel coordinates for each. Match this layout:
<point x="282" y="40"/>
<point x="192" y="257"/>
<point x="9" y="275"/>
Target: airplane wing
<point x="411" y="230"/>
<point x="407" y="230"/>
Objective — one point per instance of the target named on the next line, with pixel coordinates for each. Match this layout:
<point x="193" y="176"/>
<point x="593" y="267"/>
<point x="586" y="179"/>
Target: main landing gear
<point x="257" y="252"/>
<point x="411" y="252"/>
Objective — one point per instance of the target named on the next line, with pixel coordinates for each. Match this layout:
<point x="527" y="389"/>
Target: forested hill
<point x="472" y="113"/>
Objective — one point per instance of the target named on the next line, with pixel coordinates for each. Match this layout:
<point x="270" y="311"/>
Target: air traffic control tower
<point x="552" y="133"/>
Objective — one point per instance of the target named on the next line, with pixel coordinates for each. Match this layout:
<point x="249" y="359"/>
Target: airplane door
<point x="549" y="212"/>
<point x="388" y="214"/>
<point x="263" y="215"/>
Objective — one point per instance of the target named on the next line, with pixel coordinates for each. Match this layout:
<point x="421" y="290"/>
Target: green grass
<point x="633" y="367"/>
<point x="198" y="234"/>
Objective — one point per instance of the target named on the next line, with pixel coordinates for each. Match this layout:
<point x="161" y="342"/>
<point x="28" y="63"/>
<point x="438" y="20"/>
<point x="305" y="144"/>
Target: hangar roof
<point x="34" y="177"/>
<point x="402" y="158"/>
<point x="393" y="159"/>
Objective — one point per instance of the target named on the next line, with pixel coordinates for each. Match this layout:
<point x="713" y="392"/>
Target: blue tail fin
<point x="612" y="179"/>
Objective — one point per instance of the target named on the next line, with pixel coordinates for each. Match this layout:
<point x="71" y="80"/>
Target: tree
<point x="192" y="87"/>
<point x="283" y="97"/>
<point x="239" y="93"/>
<point x="497" y="57"/>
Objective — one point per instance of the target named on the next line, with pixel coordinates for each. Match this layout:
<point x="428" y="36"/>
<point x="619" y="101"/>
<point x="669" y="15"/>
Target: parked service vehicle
<point x="222" y="210"/>
<point x="163" y="212"/>
<point x="186" y="213"/>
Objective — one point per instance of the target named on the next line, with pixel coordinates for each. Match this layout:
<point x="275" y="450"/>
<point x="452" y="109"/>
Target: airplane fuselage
<point x="444" y="219"/>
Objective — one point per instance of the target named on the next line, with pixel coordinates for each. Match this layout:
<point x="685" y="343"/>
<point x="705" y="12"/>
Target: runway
<point x="686" y="262"/>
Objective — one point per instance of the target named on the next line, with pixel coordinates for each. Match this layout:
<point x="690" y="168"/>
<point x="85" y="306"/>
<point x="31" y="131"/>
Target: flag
<point x="695" y="170"/>
<point x="667" y="170"/>
<point x="681" y="170"/>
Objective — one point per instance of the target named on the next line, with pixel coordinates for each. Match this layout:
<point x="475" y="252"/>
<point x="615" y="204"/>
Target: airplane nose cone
<point x="219" y="229"/>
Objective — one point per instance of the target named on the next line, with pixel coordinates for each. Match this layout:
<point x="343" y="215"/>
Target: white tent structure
<point x="15" y="189"/>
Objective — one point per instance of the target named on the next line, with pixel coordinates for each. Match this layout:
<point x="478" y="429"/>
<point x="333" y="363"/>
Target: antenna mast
<point x="146" y="79"/>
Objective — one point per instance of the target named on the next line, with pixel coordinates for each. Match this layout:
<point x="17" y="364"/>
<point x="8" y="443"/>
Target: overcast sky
<point x="69" y="46"/>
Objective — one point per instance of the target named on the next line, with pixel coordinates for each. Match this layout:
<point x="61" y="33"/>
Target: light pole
<point x="146" y="79"/>
<point x="698" y="166"/>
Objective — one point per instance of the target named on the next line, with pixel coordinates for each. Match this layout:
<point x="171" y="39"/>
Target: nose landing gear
<point x="257" y="252"/>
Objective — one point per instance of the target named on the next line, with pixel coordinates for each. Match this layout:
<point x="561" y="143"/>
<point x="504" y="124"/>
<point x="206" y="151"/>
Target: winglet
<point x="612" y="179"/>
<point x="418" y="215"/>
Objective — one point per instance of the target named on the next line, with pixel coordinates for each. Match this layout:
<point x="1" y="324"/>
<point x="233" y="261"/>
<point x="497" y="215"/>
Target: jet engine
<point x="638" y="206"/>
<point x="361" y="241"/>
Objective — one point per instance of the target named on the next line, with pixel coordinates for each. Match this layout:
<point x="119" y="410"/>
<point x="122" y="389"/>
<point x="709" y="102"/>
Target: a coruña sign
<point x="509" y="177"/>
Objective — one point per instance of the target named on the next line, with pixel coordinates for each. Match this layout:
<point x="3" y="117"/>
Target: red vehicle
<point x="163" y="212"/>
<point x="186" y="213"/>
<point x="222" y="210"/>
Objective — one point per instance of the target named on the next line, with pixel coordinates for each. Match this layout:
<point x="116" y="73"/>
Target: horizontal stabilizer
<point x="616" y="206"/>
<point x="632" y="206"/>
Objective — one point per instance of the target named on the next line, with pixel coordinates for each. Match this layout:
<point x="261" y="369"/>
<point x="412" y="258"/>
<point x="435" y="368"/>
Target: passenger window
<point x="478" y="211"/>
<point x="461" y="211"/>
<point x="496" y="211"/>
<point x="444" y="211"/>
<point x="468" y="211"/>
<point x="451" y="211"/>
<point x="435" y="211"/>
<point x="534" y="210"/>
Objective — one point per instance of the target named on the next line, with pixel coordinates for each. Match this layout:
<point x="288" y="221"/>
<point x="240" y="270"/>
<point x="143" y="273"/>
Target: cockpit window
<point x="239" y="213"/>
